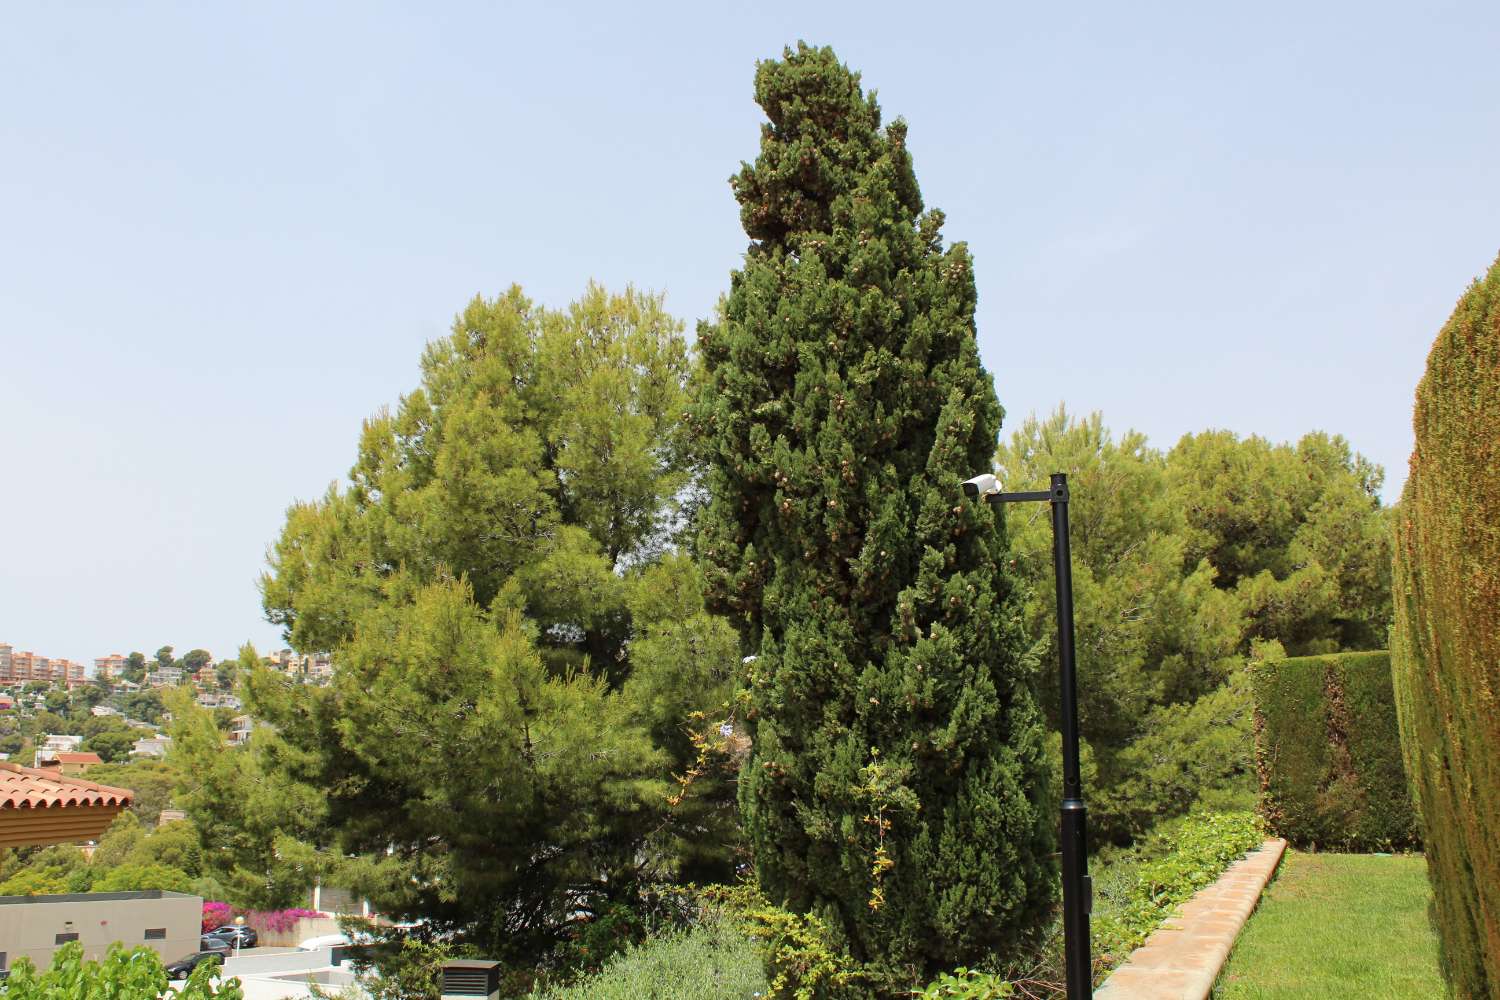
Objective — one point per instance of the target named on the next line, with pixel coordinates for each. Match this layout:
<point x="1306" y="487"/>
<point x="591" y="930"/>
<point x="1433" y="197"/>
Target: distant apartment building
<point x="319" y="667"/>
<point x="240" y="729"/>
<point x="18" y="668"/>
<point x="107" y="668"/>
<point x="152" y="746"/>
<point x="60" y="742"/>
<point x="54" y="744"/>
<point x="164" y="677"/>
<point x="313" y="668"/>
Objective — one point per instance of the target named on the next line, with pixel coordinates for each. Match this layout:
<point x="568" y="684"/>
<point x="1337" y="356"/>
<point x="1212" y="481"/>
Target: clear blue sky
<point x="226" y="235"/>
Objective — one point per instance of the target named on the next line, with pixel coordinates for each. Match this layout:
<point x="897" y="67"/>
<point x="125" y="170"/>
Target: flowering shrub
<point x="216" y="915"/>
<point x="277" y="921"/>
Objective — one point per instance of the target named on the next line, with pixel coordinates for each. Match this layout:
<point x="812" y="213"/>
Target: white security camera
<point x="985" y="485"/>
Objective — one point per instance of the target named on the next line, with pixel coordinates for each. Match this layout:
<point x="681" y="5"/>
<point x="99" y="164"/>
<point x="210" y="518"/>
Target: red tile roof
<point x="29" y="788"/>
<point x="65" y="757"/>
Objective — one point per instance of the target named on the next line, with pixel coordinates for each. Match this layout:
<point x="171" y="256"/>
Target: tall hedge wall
<point x="1446" y="640"/>
<point x="1328" y="755"/>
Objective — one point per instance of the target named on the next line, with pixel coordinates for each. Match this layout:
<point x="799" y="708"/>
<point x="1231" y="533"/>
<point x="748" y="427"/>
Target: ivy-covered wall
<point x="1327" y="751"/>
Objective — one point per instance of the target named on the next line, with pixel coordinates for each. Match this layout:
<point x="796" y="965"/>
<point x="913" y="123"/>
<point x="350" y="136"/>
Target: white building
<point x="152" y="746"/>
<point x="52" y="745"/>
<point x="240" y="729"/>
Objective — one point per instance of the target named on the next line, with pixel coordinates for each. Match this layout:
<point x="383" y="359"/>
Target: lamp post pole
<point x="1077" y="889"/>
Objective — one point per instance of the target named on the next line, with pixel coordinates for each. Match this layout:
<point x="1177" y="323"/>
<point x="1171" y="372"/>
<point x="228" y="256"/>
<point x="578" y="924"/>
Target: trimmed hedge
<point x="1446" y="639"/>
<point x="1328" y="755"/>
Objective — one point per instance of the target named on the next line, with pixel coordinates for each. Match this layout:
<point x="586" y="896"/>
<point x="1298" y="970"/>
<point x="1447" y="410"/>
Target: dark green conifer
<point x="895" y="784"/>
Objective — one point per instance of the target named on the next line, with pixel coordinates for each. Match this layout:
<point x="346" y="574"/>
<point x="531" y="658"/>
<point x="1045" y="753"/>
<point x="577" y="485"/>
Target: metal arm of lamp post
<point x="1077" y="889"/>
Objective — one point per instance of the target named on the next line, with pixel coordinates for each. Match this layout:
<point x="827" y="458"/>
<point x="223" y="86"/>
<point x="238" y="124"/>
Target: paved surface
<point x="1181" y="960"/>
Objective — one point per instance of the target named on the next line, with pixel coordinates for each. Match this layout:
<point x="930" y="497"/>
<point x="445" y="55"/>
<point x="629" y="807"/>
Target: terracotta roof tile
<point x="64" y="757"/>
<point x="29" y="788"/>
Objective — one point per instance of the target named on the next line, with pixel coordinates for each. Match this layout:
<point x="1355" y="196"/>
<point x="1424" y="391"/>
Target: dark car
<point x="212" y="942"/>
<point x="246" y="935"/>
<point x="183" y="968"/>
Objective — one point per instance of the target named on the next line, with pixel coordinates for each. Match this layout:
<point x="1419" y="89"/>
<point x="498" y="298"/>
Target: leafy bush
<point x="716" y="960"/>
<point x="408" y="969"/>
<point x="1328" y="752"/>
<point x="1189" y="856"/>
<point x="1196" y="755"/>
<point x="966" y="984"/>
<point x="136" y="877"/>
<point x="802" y="960"/>
<point x="1446" y="640"/>
<point x="123" y="975"/>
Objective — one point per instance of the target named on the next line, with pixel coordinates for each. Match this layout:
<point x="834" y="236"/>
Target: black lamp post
<point x="1077" y="889"/>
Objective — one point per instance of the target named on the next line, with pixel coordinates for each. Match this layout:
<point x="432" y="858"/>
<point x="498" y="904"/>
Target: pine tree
<point x="896" y="779"/>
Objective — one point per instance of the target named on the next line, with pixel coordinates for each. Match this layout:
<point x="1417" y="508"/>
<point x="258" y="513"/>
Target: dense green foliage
<point x="522" y="731"/>
<point x="128" y="857"/>
<point x="1338" y="927"/>
<point x="122" y="975"/>
<point x="894" y="785"/>
<point x="1186" y="563"/>
<point x="1329" y="755"/>
<point x="1446" y="640"/>
<point x="257" y="825"/>
<point x="1190" y="855"/>
<point x="1297" y="533"/>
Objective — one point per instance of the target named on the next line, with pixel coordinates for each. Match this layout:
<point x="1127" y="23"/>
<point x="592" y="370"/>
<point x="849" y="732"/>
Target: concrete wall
<point x="29" y="925"/>
<point x="250" y="963"/>
<point x="304" y="928"/>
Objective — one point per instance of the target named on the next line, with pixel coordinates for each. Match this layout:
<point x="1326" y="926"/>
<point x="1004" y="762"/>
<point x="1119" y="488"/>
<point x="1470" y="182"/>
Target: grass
<point x="1338" y="927"/>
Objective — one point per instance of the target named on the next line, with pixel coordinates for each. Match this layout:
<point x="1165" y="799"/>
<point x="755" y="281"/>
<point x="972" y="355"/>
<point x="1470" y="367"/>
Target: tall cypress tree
<point x="897" y="772"/>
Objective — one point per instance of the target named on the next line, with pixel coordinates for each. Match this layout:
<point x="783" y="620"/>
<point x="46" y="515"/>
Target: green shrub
<point x="716" y="960"/>
<point x="1446" y="640"/>
<point x="1328" y="753"/>
<point x="967" y="984"/>
<point x="1194" y="756"/>
<point x="801" y="958"/>
<point x="1191" y="855"/>
<point x="122" y="975"/>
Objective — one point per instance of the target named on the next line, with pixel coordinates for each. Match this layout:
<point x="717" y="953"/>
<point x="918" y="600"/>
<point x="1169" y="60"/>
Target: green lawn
<point x="1336" y="926"/>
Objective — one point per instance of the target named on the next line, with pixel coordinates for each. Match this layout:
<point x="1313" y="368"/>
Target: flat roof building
<point x="36" y="926"/>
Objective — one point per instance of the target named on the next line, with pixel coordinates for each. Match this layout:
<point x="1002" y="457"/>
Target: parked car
<point x="229" y="932"/>
<point x="323" y="941"/>
<point x="212" y="942"/>
<point x="182" y="968"/>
